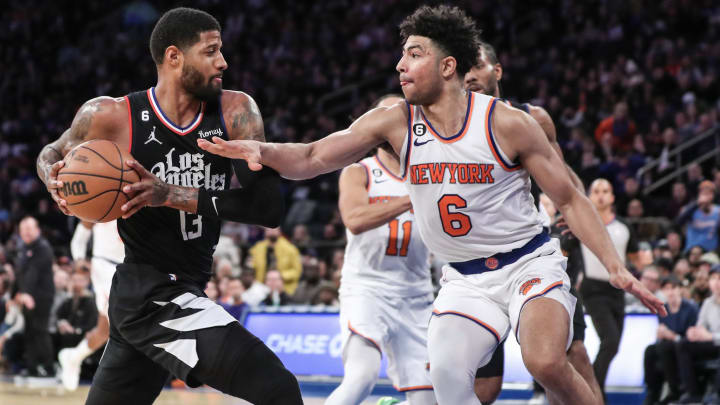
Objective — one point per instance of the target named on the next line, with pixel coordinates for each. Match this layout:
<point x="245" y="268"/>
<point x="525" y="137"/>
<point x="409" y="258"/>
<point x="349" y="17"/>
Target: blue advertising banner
<point x="310" y="344"/>
<point x="307" y="343"/>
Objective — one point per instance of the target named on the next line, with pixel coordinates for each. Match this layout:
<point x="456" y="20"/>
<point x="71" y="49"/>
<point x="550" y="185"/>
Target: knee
<point x="547" y="369"/>
<point x="578" y="356"/>
<point x="487" y="389"/>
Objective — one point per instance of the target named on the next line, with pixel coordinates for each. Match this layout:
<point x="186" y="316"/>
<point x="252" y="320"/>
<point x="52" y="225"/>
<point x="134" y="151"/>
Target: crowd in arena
<point x="625" y="83"/>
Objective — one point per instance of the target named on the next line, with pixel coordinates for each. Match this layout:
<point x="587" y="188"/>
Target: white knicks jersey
<point x="470" y="200"/>
<point x="107" y="243"/>
<point x="389" y="260"/>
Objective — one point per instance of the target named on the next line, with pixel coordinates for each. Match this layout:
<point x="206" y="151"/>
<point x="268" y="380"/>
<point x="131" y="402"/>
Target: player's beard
<point x="196" y="84"/>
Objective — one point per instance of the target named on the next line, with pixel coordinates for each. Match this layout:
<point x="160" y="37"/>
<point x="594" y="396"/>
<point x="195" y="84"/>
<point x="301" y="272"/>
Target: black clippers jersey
<point x="175" y="242"/>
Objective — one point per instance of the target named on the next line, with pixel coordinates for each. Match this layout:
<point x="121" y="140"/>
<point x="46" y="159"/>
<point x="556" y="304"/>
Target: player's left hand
<point x="148" y="191"/>
<point x="623" y="280"/>
<point x="235" y="149"/>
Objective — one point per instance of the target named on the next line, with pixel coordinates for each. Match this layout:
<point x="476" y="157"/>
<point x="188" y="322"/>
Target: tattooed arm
<point x="99" y="118"/>
<point x="259" y="201"/>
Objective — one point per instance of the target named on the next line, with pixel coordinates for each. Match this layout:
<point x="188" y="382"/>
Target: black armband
<point x="259" y="204"/>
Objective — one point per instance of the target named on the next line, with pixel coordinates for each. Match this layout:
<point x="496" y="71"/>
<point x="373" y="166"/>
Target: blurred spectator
<point x="675" y="244"/>
<point x="703" y="342"/>
<point x="604" y="303"/>
<point x="227" y="249"/>
<point x="660" y="361"/>
<point x="617" y="131"/>
<point x="236" y="307"/>
<point x="702" y="218"/>
<point x="255" y="291"/>
<point x="327" y="294"/>
<point x="678" y="200"/>
<point x="61" y="281"/>
<point x="224" y="290"/>
<point x="277" y="295"/>
<point x="11" y="328"/>
<point x="35" y="291"/>
<point x="311" y="283"/>
<point x="681" y="270"/>
<point x="224" y="267"/>
<point x="276" y="252"/>
<point x="211" y="290"/>
<point x="301" y="237"/>
<point x="77" y="314"/>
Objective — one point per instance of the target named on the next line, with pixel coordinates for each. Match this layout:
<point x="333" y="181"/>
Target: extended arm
<point x="357" y="213"/>
<point x="530" y="146"/>
<point x="302" y="161"/>
<point x="99" y="118"/>
<point x="259" y="201"/>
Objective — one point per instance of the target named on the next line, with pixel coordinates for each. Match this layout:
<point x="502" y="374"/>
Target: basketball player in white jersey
<point x="484" y="78"/>
<point x="108" y="251"/>
<point x="386" y="292"/>
<point x="466" y="161"/>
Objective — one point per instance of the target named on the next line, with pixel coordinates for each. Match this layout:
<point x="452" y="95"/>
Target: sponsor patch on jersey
<point x="528" y="285"/>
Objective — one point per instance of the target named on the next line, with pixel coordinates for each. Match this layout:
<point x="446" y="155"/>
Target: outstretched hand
<point x="236" y="149"/>
<point x="623" y="280"/>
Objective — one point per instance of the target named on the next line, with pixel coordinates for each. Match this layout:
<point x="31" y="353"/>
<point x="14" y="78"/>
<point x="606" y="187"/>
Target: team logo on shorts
<point x="419" y="129"/>
<point x="491" y="263"/>
<point x="528" y="285"/>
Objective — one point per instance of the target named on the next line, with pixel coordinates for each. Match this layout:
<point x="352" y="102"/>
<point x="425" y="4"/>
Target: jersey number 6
<point x="454" y="224"/>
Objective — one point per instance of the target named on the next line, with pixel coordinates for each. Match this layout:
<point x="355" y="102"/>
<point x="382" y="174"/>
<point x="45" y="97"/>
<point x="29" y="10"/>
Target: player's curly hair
<point x="450" y="28"/>
<point x="180" y="27"/>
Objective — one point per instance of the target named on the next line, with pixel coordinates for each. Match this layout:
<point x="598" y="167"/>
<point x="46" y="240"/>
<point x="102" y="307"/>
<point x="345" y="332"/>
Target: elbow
<point x="355" y="227"/>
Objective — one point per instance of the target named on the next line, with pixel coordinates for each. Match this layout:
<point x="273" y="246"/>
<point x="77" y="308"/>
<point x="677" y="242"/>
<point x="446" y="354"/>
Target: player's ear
<point x="498" y="71"/>
<point x="448" y="66"/>
<point x="173" y="56"/>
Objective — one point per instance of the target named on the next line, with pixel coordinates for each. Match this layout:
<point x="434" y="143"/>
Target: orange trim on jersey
<point x="548" y="288"/>
<point x="463" y="130"/>
<point x="367" y="176"/>
<point x="413" y="388"/>
<point x="472" y="318"/>
<point x="411" y="119"/>
<point x="386" y="170"/>
<point x="127" y="100"/>
<point x="364" y="337"/>
<point x="491" y="141"/>
<point x="171" y="125"/>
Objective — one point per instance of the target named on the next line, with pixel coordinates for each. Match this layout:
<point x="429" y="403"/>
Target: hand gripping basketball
<point x="53" y="185"/>
<point x="149" y="190"/>
<point x="88" y="182"/>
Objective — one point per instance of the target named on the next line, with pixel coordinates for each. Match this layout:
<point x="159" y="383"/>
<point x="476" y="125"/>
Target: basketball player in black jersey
<point x="161" y="322"/>
<point x="484" y="78"/>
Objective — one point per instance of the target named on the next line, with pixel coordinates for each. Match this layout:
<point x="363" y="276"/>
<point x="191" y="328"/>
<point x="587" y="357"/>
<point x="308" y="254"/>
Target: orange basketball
<point x="93" y="177"/>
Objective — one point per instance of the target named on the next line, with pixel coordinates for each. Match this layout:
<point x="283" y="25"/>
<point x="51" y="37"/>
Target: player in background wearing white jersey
<point x="108" y="251"/>
<point x="484" y="78"/>
<point x="440" y="46"/>
<point x="386" y="291"/>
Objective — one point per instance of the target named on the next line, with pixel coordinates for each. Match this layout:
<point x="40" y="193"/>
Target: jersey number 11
<point x="392" y="249"/>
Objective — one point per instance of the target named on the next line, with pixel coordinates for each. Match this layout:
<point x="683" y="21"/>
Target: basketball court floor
<point x="51" y="393"/>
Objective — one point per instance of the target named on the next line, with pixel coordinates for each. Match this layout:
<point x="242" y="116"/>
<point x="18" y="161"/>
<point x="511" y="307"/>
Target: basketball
<point x="93" y="177"/>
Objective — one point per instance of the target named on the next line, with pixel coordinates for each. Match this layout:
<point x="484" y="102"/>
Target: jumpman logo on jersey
<point x="152" y="137"/>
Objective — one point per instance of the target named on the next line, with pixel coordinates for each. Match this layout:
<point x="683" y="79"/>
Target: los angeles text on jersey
<point x="463" y="173"/>
<point x="188" y="170"/>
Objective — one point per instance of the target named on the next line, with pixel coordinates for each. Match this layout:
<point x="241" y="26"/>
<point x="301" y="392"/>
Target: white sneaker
<point x="70" y="374"/>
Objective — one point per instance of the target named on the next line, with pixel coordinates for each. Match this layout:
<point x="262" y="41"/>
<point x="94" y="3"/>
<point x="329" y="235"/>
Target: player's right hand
<point x="236" y="149"/>
<point x="53" y="185"/>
